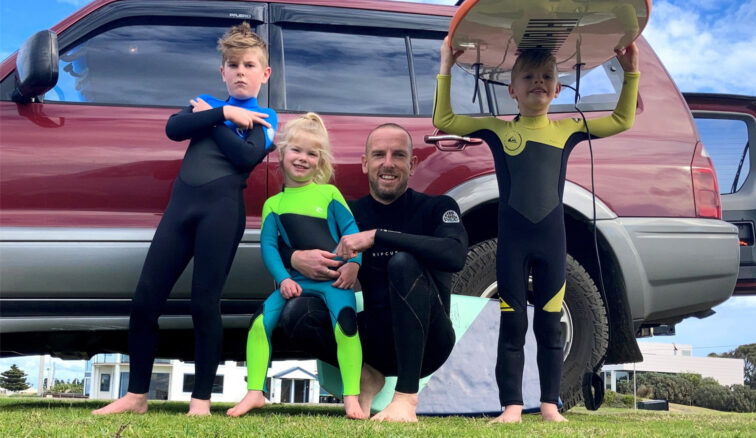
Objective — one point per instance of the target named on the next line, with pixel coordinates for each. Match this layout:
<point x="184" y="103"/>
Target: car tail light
<point x="705" y="187"/>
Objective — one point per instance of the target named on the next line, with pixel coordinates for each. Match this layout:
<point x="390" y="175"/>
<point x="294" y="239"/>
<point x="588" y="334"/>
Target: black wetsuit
<point x="204" y="219"/>
<point x="405" y="328"/>
<point x="530" y="156"/>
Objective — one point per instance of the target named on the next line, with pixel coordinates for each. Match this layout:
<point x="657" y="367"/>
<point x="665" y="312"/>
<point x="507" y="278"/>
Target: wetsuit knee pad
<point x="347" y="320"/>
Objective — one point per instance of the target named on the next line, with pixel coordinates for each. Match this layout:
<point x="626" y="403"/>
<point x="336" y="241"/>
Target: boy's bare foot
<point x="371" y="383"/>
<point x="550" y="412"/>
<point x="401" y="409"/>
<point x="136" y="403"/>
<point x="253" y="400"/>
<point x="352" y="407"/>
<point x="511" y="414"/>
<point x="198" y="408"/>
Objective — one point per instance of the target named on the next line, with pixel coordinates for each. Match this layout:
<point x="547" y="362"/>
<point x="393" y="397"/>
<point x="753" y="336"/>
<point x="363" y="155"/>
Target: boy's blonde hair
<point x="533" y="58"/>
<point x="311" y="127"/>
<point x="240" y="38"/>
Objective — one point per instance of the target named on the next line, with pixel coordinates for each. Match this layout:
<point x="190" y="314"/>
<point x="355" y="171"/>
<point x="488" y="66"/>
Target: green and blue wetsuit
<point x="530" y="156"/>
<point x="314" y="216"/>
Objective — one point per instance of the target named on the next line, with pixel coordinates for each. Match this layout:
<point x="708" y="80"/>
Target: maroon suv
<point x="86" y="170"/>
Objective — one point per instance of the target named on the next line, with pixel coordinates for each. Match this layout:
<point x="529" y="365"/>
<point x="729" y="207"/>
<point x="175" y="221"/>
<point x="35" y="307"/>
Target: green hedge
<point x="691" y="389"/>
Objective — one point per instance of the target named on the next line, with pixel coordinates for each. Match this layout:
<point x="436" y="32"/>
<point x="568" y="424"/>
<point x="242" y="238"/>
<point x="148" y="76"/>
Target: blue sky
<point x="706" y="45"/>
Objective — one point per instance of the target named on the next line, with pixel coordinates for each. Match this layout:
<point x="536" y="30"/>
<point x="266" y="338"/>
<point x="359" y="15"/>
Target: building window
<point x="104" y="382"/>
<point x="188" y="385"/>
<point x="159" y="386"/>
<point x="295" y="391"/>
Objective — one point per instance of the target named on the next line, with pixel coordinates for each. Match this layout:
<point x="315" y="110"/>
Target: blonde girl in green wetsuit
<point x="307" y="214"/>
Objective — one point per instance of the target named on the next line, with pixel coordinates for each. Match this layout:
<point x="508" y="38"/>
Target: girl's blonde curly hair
<point x="309" y="127"/>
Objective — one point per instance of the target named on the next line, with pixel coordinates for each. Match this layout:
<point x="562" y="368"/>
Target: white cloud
<point x="709" y="51"/>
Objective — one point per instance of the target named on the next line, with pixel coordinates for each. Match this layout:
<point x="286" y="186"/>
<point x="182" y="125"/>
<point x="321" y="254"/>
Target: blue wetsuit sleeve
<point x="445" y="249"/>
<point x="269" y="246"/>
<point x="186" y="124"/>
<point x="345" y="222"/>
<point x="244" y="153"/>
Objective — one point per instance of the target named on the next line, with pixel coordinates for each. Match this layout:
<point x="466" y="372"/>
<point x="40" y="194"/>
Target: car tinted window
<point x="725" y="141"/>
<point x="599" y="91"/>
<point x="142" y="64"/>
<point x="340" y="72"/>
<point x="426" y="58"/>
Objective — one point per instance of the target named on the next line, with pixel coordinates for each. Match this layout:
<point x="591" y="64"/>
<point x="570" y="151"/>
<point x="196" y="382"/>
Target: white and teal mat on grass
<point x="466" y="383"/>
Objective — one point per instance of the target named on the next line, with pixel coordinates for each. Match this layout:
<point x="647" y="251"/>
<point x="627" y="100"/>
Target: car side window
<point x="426" y="57"/>
<point x="600" y="88"/>
<point x="335" y="72"/>
<point x="726" y="142"/>
<point x="142" y="64"/>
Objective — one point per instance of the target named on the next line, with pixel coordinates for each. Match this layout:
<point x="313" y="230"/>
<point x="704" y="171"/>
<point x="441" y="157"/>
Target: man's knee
<point x="403" y="262"/>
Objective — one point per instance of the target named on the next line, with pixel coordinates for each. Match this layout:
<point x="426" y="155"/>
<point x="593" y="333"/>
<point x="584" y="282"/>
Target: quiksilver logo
<point x="513" y="141"/>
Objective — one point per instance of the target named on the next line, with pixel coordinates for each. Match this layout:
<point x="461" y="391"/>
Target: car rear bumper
<point x="673" y="267"/>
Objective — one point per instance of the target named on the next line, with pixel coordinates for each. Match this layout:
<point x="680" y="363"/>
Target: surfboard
<point x="585" y="32"/>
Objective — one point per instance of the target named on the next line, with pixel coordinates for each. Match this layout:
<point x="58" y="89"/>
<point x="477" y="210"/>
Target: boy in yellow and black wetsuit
<point x="530" y="156"/>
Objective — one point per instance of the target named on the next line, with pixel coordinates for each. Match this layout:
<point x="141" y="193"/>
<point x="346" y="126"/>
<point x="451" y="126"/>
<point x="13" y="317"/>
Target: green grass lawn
<point x="27" y="417"/>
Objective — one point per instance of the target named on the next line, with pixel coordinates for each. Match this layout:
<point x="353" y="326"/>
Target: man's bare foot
<point x="352" y="407"/>
<point x="401" y="409"/>
<point x="511" y="414"/>
<point x="136" y="403"/>
<point x="550" y="412"/>
<point x="253" y="400"/>
<point x="371" y="383"/>
<point x="198" y="408"/>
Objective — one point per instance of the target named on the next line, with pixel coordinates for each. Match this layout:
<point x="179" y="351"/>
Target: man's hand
<point x="316" y="264"/>
<point x="353" y="244"/>
<point x="290" y="289"/>
<point x="347" y="276"/>
<point x="244" y="118"/>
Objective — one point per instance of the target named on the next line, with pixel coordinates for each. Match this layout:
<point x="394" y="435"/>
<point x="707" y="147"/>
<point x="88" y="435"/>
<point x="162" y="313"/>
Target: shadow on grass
<point x="171" y="408"/>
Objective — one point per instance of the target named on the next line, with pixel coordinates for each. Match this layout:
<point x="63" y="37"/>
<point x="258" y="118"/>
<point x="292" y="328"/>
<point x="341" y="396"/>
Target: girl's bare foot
<point x="550" y="412"/>
<point x="253" y="400"/>
<point x="511" y="414"/>
<point x="136" y="403"/>
<point x="352" y="407"/>
<point x="371" y="383"/>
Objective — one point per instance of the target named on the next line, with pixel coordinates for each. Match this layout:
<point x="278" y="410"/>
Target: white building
<point x="107" y="377"/>
<point x="676" y="359"/>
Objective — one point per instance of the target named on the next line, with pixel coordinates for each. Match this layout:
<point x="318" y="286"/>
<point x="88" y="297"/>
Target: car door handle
<point x="450" y="142"/>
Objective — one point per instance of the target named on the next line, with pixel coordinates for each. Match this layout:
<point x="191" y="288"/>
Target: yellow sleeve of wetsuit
<point x="443" y="117"/>
<point x="623" y="116"/>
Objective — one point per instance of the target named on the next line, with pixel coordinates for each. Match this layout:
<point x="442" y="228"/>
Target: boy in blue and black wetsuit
<point x="530" y="156"/>
<point x="205" y="217"/>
